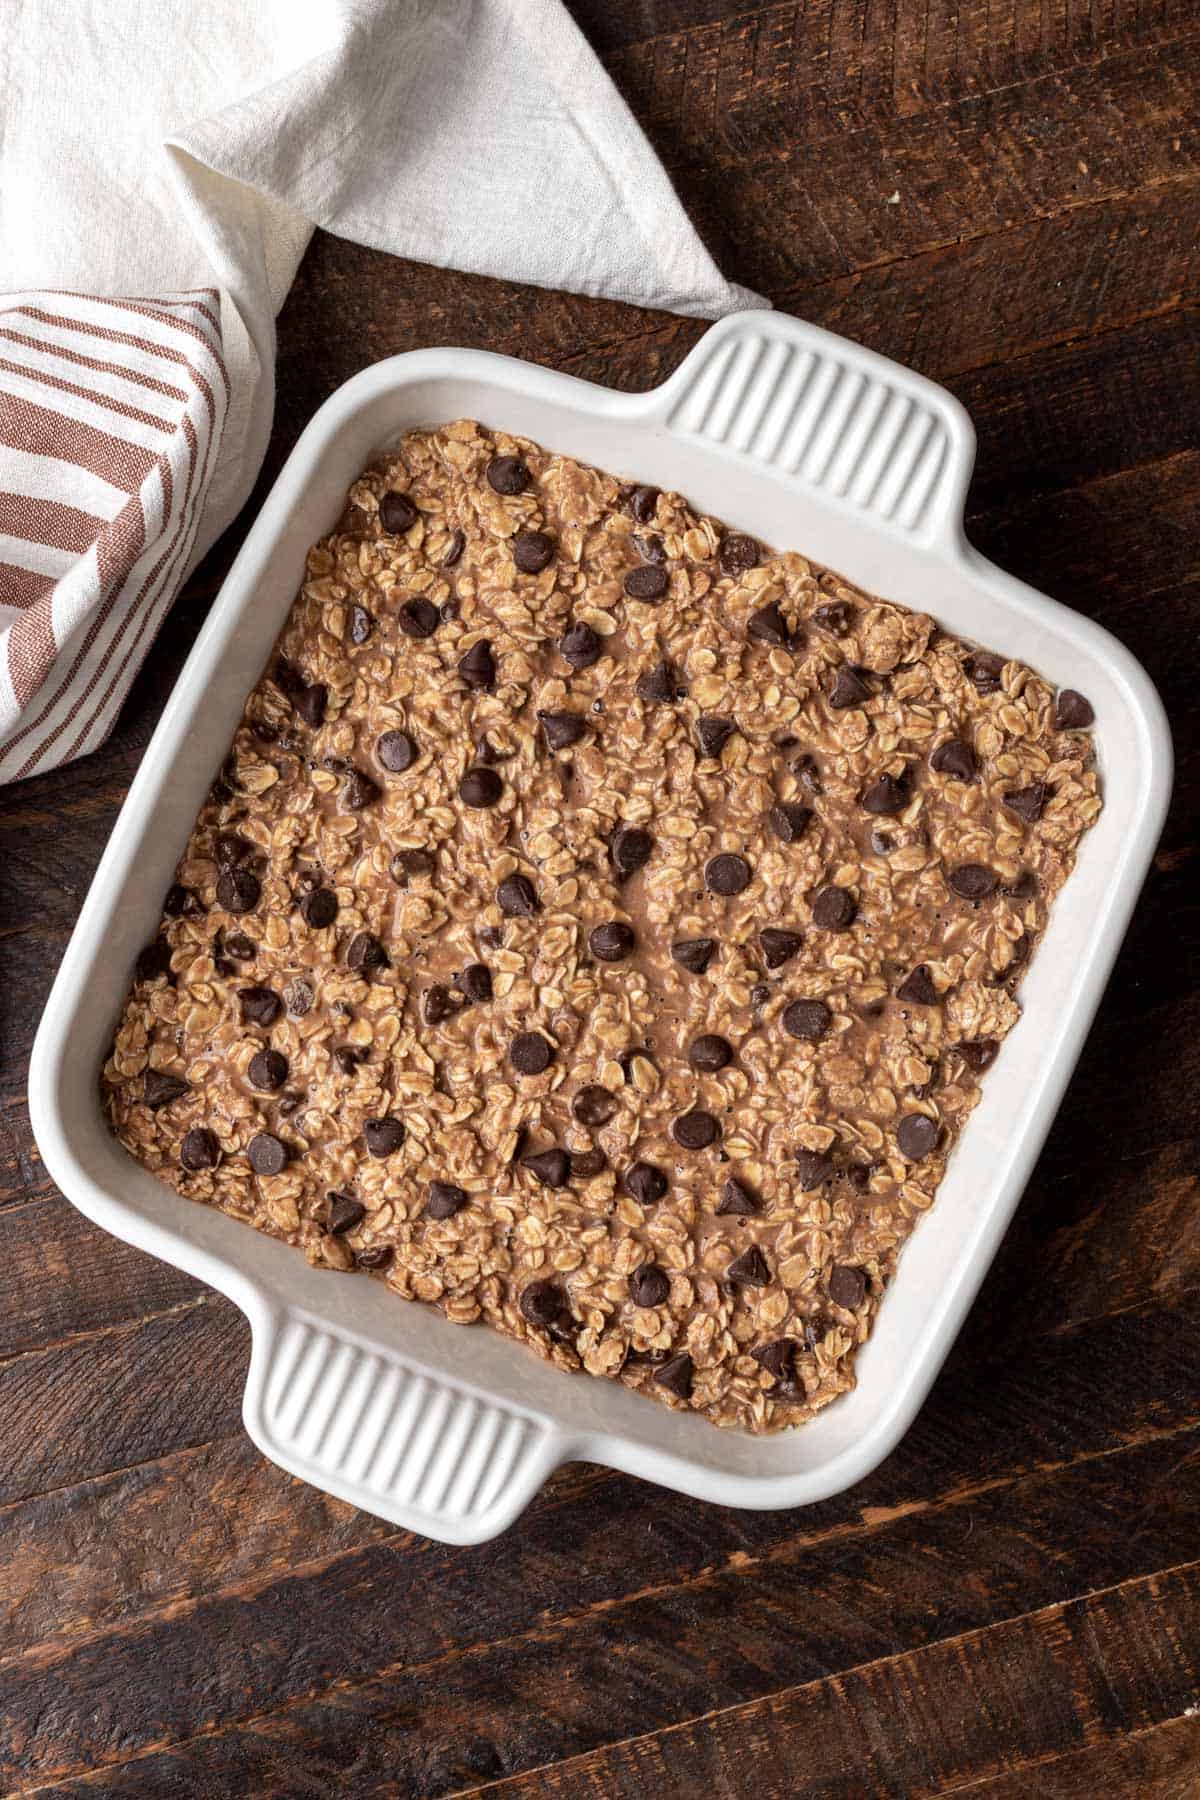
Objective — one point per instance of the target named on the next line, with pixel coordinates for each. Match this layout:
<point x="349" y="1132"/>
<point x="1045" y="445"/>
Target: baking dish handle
<point x="827" y="415"/>
<point x="393" y="1438"/>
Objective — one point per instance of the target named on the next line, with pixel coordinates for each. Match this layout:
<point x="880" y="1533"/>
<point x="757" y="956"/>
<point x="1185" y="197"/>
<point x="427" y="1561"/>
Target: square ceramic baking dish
<point x="810" y="443"/>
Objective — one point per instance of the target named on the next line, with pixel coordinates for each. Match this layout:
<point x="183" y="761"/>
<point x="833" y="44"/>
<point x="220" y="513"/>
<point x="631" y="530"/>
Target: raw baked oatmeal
<point x="600" y="926"/>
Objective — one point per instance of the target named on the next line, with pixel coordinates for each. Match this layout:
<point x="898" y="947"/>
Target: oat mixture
<point x="600" y="926"/>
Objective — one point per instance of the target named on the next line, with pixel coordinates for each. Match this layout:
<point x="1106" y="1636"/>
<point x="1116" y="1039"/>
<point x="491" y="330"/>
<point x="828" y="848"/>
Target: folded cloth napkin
<point x="163" y="169"/>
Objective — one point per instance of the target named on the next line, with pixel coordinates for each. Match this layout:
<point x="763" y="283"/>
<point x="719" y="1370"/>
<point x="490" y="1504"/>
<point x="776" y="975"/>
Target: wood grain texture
<point x="1007" y="196"/>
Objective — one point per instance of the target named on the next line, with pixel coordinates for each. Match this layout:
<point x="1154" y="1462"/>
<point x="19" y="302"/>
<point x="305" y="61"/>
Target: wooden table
<point x="1006" y="196"/>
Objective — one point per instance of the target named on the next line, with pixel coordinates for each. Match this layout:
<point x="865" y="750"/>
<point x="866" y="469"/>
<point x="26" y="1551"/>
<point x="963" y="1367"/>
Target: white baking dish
<point x="808" y="442"/>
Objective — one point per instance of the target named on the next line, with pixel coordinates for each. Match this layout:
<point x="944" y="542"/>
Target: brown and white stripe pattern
<point x="111" y="414"/>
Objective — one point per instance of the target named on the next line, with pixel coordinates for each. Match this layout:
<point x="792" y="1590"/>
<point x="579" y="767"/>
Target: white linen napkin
<point x="163" y="167"/>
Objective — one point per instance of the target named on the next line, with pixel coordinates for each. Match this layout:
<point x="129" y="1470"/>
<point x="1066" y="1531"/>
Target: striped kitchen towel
<point x="111" y="414"/>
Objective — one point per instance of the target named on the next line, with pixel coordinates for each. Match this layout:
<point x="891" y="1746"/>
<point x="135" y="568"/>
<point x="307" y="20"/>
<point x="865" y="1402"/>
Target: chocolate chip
<point x="154" y="960"/>
<point x="916" y="1136"/>
<point x="956" y="759"/>
<point x="643" y="503"/>
<point x="779" y="1360"/>
<point x="709" y="1052"/>
<point x="287" y="678"/>
<point x="362" y="624"/>
<point x="396" y="751"/>
<point x="311" y="702"/>
<point x="532" y="551"/>
<point x="1072" y="712"/>
<point x="918" y="987"/>
<point x="530" y="1053"/>
<point x="348" y="1057"/>
<point x="836" y="616"/>
<point x="239" y="946"/>
<point x="738" y="553"/>
<point x="320" y="908"/>
<point x="267" y="1154"/>
<point x="586" y="1164"/>
<point x="383" y="1137"/>
<point x="979" y="1053"/>
<point x="508" y="475"/>
<point x="366" y="953"/>
<point x="444" y="1199"/>
<point x="813" y="1168"/>
<point x="181" y="902"/>
<point x="630" y="849"/>
<point x="971" y="881"/>
<point x="1024" y="887"/>
<point x="712" y="735"/>
<point x="159" y="1088"/>
<point x="985" y="670"/>
<point x="694" y="954"/>
<point x="695" y="1130"/>
<point x="647" y="582"/>
<point x="676" y="1376"/>
<point x="436" y="1004"/>
<point x="660" y="686"/>
<point x="377" y="1256"/>
<point x="738" y="1200"/>
<point x="231" y="848"/>
<point x="474" y="983"/>
<point x="542" y="1302"/>
<point x="648" y="1286"/>
<point x="581" y="646"/>
<point x="408" y="865"/>
<point x="343" y="1213"/>
<point x="517" y="897"/>
<point x="397" y="513"/>
<point x="260" y="1005"/>
<point x="726" y="875"/>
<point x="649" y="546"/>
<point x="478" y="666"/>
<point x="359" y="791"/>
<point x="562" y="728"/>
<point x="418" y="618"/>
<point x="199" y="1150"/>
<point x="1027" y="802"/>
<point x="849" y="689"/>
<point x="847" y="1287"/>
<point x="298" y="998"/>
<point x="612" y="942"/>
<point x="881" y="843"/>
<point x="238" y="891"/>
<point x="778" y="946"/>
<point x="646" y="1182"/>
<point x="480" y="788"/>
<point x="750" y="1269"/>
<point x="268" y="1071"/>
<point x="551" y="1167"/>
<point x="594" y="1106"/>
<point x="760" y="993"/>
<point x="807" y="1020"/>
<point x="834" y="909"/>
<point x="768" y="625"/>
<point x="789" y="820"/>
<point x="887" y="795"/>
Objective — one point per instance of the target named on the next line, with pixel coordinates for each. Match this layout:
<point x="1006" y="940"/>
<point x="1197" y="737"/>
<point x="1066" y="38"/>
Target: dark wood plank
<point x="919" y="1722"/>
<point x="1014" y="1483"/>
<point x="1086" y="1673"/>
<point x="109" y="1399"/>
<point x="1159" y="1763"/>
<point x="61" y="1276"/>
